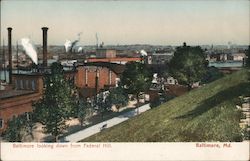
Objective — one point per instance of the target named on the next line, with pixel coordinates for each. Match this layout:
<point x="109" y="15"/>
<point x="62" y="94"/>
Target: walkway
<point x="80" y="135"/>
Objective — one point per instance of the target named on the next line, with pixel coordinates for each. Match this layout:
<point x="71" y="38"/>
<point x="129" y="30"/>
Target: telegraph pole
<point x="4" y="67"/>
<point x="17" y="63"/>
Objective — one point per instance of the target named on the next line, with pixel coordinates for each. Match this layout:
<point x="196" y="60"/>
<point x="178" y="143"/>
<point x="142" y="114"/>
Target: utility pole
<point x="96" y="83"/>
<point x="17" y="63"/>
<point x="96" y="36"/>
<point x="4" y="67"/>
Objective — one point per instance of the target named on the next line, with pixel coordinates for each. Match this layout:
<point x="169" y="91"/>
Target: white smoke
<point x="67" y="45"/>
<point x="29" y="49"/>
<point x="143" y="53"/>
<point x="79" y="49"/>
<point x="154" y="78"/>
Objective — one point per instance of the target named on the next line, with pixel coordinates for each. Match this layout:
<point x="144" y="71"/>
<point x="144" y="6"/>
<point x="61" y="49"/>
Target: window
<point x="1" y="123"/>
<point x="16" y="84"/>
<point x="97" y="73"/>
<point x="86" y="77"/>
<point x="33" y="85"/>
<point x="21" y="84"/>
<point x="24" y="84"/>
<point x="27" y="84"/>
<point x="110" y="77"/>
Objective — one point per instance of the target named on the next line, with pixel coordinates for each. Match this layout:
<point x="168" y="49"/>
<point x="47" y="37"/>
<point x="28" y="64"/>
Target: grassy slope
<point x="204" y="114"/>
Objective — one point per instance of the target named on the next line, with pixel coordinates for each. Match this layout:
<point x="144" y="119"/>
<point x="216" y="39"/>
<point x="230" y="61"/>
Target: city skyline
<point x="129" y="22"/>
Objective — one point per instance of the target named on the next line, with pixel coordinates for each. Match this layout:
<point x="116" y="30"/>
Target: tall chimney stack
<point x="45" y="29"/>
<point x="10" y="54"/>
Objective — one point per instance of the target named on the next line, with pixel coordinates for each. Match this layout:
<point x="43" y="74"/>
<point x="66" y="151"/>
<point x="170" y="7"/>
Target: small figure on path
<point x="103" y="127"/>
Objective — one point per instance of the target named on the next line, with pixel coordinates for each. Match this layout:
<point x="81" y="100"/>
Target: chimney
<point x="10" y="54"/>
<point x="45" y="29"/>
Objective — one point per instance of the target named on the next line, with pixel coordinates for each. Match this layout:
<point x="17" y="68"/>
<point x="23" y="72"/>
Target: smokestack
<point x="45" y="29"/>
<point x="10" y="54"/>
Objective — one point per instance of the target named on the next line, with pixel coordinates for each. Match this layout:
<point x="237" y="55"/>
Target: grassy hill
<point x="204" y="114"/>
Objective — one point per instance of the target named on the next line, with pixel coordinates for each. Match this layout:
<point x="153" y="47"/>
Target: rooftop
<point x="117" y="68"/>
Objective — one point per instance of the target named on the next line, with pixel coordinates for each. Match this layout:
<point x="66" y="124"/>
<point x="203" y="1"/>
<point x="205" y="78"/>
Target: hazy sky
<point x="128" y="22"/>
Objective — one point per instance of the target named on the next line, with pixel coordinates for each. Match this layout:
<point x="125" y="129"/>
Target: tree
<point x="57" y="103"/>
<point x="212" y="74"/>
<point x="160" y="98"/>
<point x="101" y="103"/>
<point x="83" y="110"/>
<point x="14" y="131"/>
<point x="136" y="79"/>
<point x="117" y="97"/>
<point x="18" y="127"/>
<point x="188" y="65"/>
<point x="248" y="57"/>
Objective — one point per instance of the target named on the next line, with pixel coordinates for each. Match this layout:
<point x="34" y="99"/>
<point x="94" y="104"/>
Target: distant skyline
<point x="197" y="22"/>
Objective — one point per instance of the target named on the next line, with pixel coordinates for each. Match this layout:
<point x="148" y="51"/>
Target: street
<point x="80" y="135"/>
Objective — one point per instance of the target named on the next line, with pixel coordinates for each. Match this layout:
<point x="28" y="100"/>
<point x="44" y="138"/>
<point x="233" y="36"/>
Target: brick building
<point x="91" y="78"/>
<point x="32" y="82"/>
<point x="14" y="103"/>
<point x="105" y="53"/>
<point x="88" y="75"/>
<point x="26" y="89"/>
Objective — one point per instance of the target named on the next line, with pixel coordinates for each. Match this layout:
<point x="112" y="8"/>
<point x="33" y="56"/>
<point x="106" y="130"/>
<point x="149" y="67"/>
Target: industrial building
<point x="90" y="77"/>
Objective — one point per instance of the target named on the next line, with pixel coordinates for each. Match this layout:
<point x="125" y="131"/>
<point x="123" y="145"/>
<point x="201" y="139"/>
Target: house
<point x="171" y="80"/>
<point x="159" y="57"/>
<point x="237" y="56"/>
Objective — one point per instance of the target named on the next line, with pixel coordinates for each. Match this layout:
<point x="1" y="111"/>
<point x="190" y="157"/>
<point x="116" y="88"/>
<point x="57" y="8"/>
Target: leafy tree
<point x="83" y="109"/>
<point x="117" y="97"/>
<point x="102" y="104"/>
<point x="248" y="57"/>
<point x="188" y="65"/>
<point x="18" y="128"/>
<point x="161" y="98"/>
<point x="57" y="103"/>
<point x="14" y="131"/>
<point x="212" y="74"/>
<point x="136" y="79"/>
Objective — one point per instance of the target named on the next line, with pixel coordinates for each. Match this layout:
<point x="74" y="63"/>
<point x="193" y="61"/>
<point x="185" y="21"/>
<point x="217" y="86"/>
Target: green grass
<point x="204" y="114"/>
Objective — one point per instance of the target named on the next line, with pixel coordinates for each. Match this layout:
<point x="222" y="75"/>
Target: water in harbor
<point x="226" y="64"/>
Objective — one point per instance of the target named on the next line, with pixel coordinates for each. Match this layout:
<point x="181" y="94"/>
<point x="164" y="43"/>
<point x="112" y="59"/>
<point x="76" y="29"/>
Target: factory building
<point x="25" y="88"/>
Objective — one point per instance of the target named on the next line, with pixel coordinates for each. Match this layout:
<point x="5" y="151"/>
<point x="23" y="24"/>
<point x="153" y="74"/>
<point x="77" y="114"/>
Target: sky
<point x="197" y="22"/>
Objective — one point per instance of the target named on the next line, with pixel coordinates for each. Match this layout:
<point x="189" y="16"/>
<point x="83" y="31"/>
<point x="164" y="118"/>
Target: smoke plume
<point x="80" y="49"/>
<point x="143" y="53"/>
<point x="70" y="45"/>
<point x="29" y="49"/>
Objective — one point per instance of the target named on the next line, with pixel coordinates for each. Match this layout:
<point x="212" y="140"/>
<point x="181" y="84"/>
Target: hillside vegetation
<point x="205" y="114"/>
